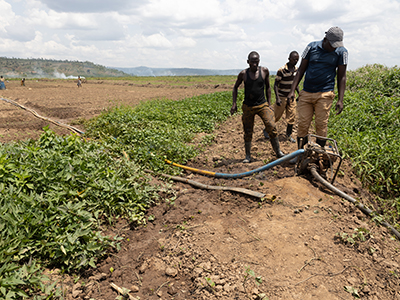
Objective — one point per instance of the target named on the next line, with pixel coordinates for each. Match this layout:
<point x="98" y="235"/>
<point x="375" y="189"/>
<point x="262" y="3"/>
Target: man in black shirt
<point x="256" y="86"/>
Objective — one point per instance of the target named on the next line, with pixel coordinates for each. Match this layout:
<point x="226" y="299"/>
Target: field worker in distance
<point x="283" y="82"/>
<point x="79" y="84"/>
<point x="322" y="61"/>
<point x="2" y="84"/>
<point x="256" y="86"/>
<point x="23" y="82"/>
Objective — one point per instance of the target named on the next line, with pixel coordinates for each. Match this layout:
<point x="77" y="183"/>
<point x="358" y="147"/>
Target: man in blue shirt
<point x="322" y="62"/>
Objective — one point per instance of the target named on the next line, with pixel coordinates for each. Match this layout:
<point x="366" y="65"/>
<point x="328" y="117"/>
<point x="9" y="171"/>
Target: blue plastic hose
<point x="239" y="175"/>
<point x="263" y="168"/>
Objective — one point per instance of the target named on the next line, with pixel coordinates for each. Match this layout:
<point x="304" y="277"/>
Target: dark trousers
<point x="267" y="116"/>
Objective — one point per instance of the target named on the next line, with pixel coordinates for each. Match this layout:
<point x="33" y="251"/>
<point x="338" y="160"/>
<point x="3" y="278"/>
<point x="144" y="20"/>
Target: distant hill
<point x="146" y="71"/>
<point x="48" y="68"/>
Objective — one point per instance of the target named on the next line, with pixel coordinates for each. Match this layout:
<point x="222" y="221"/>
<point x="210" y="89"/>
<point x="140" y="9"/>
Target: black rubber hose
<point x="359" y="205"/>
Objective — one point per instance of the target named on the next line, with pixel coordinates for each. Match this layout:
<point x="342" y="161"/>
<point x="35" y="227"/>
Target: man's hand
<point x="278" y="101"/>
<point x="233" y="109"/>
<point x="339" y="107"/>
<point x="290" y="97"/>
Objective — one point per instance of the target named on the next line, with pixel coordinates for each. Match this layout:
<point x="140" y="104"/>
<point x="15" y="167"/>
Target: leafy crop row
<point x="368" y="130"/>
<point x="161" y="129"/>
<point x="56" y="192"/>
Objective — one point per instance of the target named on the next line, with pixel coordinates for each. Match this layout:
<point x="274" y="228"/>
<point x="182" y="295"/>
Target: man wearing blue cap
<point x="322" y="62"/>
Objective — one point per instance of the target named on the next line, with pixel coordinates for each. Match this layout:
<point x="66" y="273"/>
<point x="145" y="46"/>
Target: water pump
<point x="325" y="157"/>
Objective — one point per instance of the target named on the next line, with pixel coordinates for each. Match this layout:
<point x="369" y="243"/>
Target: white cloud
<point x="184" y="42"/>
<point x="87" y="6"/>
<point x="199" y="34"/>
<point x="181" y="12"/>
<point x="6" y="16"/>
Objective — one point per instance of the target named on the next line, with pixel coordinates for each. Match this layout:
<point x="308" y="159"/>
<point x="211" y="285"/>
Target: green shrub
<point x="368" y="130"/>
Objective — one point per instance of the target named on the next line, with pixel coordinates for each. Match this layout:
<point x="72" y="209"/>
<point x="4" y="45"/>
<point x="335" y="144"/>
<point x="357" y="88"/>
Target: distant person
<point x="2" y="84"/>
<point x="79" y="82"/>
<point x="283" y="82"/>
<point x="256" y="86"/>
<point x="322" y="62"/>
<point x="23" y="82"/>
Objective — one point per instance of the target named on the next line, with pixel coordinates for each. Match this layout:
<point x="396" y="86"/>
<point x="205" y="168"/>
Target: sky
<point x="206" y="34"/>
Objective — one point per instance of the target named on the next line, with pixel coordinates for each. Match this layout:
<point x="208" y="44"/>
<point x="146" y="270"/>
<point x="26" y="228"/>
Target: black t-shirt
<point x="254" y="90"/>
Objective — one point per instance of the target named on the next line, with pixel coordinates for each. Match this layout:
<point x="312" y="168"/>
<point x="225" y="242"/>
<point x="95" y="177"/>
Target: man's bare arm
<point x="341" y="83"/>
<point x="238" y="82"/>
<point x="299" y="75"/>
<point x="267" y="85"/>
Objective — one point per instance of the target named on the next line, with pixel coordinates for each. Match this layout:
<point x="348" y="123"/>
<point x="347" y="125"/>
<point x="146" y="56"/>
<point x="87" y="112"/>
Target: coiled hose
<point x="360" y="206"/>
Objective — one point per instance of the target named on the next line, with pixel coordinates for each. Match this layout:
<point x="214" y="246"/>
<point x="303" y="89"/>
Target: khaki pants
<point x="314" y="103"/>
<point x="267" y="116"/>
<point x="290" y="110"/>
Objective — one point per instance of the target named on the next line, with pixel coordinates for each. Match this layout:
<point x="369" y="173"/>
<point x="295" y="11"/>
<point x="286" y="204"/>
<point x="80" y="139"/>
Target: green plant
<point x="353" y="291"/>
<point x="125" y="294"/>
<point x="395" y="274"/>
<point x="360" y="235"/>
<point x="210" y="282"/>
<point x="250" y="274"/>
<point x="181" y="227"/>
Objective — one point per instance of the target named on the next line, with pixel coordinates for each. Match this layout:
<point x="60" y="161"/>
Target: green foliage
<point x="368" y="129"/>
<point x="54" y="193"/>
<point x="378" y="80"/>
<point x="161" y="129"/>
<point x="210" y="282"/>
<point x="257" y="279"/>
<point x="250" y="274"/>
<point x="360" y="235"/>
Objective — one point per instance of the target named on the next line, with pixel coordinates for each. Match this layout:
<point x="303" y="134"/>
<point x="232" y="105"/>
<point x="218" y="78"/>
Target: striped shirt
<point x="285" y="80"/>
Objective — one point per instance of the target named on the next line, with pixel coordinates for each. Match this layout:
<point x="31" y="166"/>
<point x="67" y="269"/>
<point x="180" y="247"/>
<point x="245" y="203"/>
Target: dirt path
<point x="205" y="244"/>
<point x="201" y="246"/>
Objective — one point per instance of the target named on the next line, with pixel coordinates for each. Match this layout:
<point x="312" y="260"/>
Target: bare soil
<point x="64" y="102"/>
<point x="208" y="244"/>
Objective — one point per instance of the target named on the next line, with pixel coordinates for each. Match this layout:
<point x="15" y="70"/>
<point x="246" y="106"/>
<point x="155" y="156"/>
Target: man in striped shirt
<point x="283" y="82"/>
